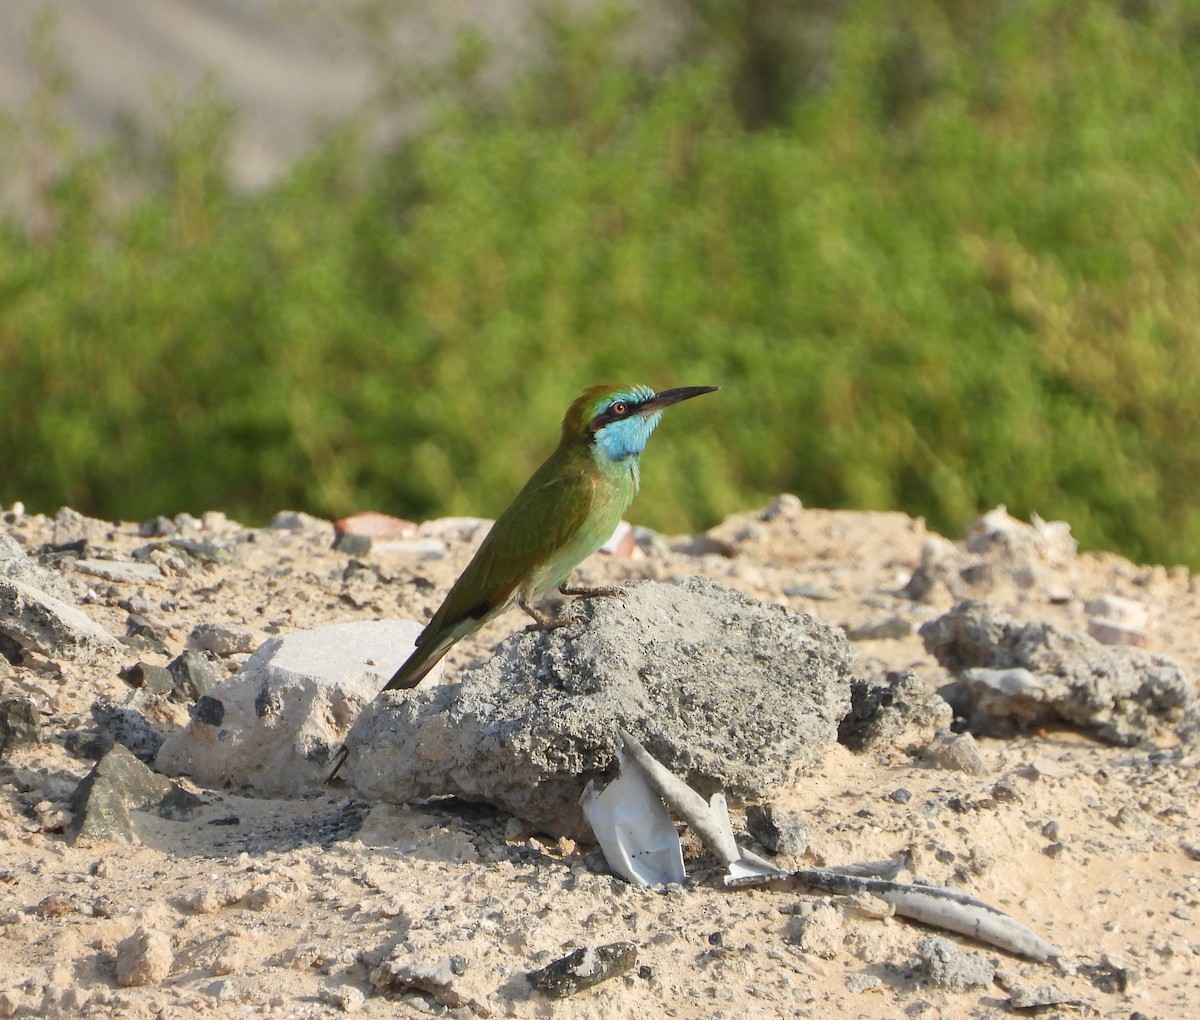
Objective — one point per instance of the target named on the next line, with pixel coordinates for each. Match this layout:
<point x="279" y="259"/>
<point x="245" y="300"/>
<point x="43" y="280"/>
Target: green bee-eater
<point x="566" y="511"/>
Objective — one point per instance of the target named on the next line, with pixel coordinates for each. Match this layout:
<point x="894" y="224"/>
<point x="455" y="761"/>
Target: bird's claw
<point x="611" y="591"/>
<point x="542" y="622"/>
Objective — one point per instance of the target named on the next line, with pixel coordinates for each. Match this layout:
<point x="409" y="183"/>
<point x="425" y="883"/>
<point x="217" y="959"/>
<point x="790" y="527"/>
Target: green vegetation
<point x="938" y="256"/>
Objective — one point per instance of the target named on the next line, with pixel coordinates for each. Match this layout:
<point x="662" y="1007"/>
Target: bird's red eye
<point x="620" y="407"/>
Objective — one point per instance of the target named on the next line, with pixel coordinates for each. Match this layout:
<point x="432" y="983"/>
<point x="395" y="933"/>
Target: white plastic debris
<point x="939" y="907"/>
<point x="633" y="828"/>
<point x="708" y="819"/>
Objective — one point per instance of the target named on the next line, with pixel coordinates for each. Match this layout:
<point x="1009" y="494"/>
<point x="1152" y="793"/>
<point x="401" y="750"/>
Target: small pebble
<point x="1005" y="791"/>
<point x="957" y="752"/>
<point x="1127" y="818"/>
<point x="777" y="829"/>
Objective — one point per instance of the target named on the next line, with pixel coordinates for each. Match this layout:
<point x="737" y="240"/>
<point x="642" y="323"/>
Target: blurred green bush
<point x="937" y="255"/>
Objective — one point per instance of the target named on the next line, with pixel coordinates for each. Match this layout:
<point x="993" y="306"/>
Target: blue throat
<point x="620" y="440"/>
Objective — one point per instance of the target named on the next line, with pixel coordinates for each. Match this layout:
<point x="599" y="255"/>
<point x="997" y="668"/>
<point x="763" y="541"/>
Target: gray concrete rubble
<point x="777" y="829"/>
<point x="15" y="565"/>
<point x="1035" y="674"/>
<point x="193" y="676"/>
<point x="947" y="966"/>
<point x="998" y="554"/>
<point x="273" y="727"/>
<point x="901" y="714"/>
<point x="38" y="612"/>
<point x="115" y="724"/>
<point x="728" y="692"/>
<point x="448" y="980"/>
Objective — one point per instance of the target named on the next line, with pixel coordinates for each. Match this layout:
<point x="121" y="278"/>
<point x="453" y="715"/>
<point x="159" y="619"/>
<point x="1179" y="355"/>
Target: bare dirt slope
<point x="287" y="908"/>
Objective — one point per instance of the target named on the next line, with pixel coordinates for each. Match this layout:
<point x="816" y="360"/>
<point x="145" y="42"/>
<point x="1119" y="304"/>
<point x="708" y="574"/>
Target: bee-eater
<point x="565" y="512"/>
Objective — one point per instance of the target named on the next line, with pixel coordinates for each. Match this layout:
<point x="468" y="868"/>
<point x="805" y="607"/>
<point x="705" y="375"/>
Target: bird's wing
<point x="547" y="515"/>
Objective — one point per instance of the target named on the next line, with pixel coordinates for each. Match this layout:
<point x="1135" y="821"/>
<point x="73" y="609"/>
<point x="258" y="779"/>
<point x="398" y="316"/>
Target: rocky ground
<point x="1074" y="809"/>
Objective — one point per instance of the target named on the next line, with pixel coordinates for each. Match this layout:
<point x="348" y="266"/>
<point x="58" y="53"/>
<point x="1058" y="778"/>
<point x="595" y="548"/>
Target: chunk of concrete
<point x="40" y="622"/>
<point x="947" y="966"/>
<point x="17" y="566"/>
<point x="777" y="829"/>
<point x="899" y="714"/>
<point x="727" y="692"/>
<point x="956" y="752"/>
<point x="449" y="980"/>
<point x="120" y="571"/>
<point x="123" y="724"/>
<point x="274" y="726"/>
<point x="1035" y="674"/>
<point x="998" y="554"/>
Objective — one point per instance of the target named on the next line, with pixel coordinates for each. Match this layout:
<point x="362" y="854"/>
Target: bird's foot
<point x="543" y="621"/>
<point x="612" y="592"/>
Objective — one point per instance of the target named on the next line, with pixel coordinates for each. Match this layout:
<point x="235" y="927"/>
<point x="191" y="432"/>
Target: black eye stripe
<point x="611" y="414"/>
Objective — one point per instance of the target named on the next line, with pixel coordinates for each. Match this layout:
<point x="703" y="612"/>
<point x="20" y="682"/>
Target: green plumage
<point x="559" y="519"/>
<point x="565" y="512"/>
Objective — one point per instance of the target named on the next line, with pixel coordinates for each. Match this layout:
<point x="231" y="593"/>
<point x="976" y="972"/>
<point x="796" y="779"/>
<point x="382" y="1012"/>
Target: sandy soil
<point x="285" y="908"/>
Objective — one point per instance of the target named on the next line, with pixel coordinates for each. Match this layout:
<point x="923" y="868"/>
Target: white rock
<point x="222" y="640"/>
<point x="1015" y="682"/>
<point x="1051" y="541"/>
<point x="17" y="566"/>
<point x="1112" y="632"/>
<point x="70" y="526"/>
<point x="621" y="542"/>
<point x="275" y="725"/>
<point x="418" y="548"/>
<point x="1126" y="612"/>
<point x="1118" y="621"/>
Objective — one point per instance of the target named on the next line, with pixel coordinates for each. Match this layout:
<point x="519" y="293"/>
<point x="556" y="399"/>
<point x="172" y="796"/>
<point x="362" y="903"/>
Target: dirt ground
<point x="287" y="908"/>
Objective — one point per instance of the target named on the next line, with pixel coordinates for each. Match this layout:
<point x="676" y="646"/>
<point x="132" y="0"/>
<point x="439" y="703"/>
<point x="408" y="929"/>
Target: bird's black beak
<point x="668" y="397"/>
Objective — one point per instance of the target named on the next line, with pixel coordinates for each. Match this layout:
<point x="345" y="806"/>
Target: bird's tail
<point x="417" y="665"/>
